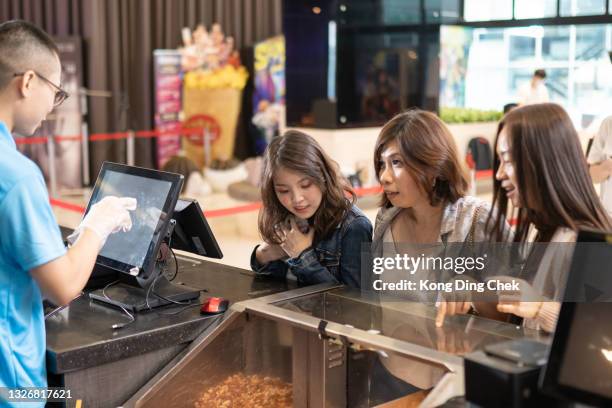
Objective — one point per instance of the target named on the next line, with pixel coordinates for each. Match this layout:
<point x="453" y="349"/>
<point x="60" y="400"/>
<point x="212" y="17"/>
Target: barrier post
<point x="85" y="153"/>
<point x="52" y="173"/>
<point x="130" y="145"/>
<point x="206" y="138"/>
<point x="85" y="137"/>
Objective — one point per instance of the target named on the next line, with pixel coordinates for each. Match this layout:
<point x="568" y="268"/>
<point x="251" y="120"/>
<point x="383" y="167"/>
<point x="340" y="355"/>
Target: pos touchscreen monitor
<point x="134" y="252"/>
<point x="579" y="366"/>
<point x="192" y="232"/>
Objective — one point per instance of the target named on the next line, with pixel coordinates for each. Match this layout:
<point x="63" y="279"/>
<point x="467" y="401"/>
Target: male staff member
<point x="32" y="256"/>
<point x="534" y="91"/>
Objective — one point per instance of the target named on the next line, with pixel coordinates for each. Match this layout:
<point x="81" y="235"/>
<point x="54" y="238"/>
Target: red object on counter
<point x="214" y="305"/>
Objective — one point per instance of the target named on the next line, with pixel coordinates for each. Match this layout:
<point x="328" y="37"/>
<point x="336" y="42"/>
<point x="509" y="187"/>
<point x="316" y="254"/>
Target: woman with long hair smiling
<point x="541" y="170"/>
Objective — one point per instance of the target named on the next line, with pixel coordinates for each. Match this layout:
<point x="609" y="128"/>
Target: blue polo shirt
<point x="29" y="237"/>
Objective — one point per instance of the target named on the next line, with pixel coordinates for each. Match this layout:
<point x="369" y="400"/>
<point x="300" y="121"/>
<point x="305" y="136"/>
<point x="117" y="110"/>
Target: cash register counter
<point x="105" y="367"/>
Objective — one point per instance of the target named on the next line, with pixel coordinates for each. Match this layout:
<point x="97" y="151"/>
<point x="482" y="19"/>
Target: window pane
<point x="555" y="43"/>
<point x="522" y="47"/>
<point x="401" y="12"/>
<point x="487" y="69"/>
<point x="498" y="62"/>
<point x="592" y="89"/>
<point x="379" y="12"/>
<point x="557" y="85"/>
<point x="535" y="8"/>
<point x="486" y="10"/>
<point x="383" y="77"/>
<point x="518" y="77"/>
<point x="359" y="12"/>
<point x="582" y="7"/>
<point x="590" y="42"/>
<point x="442" y="11"/>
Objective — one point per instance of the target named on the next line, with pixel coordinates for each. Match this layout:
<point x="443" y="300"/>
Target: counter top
<point x="81" y="335"/>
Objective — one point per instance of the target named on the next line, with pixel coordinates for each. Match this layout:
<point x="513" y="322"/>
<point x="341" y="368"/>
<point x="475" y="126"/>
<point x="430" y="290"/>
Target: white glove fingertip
<point x="129" y="203"/>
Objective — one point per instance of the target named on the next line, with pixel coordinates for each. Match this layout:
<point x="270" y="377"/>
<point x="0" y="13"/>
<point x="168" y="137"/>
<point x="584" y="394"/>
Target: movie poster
<point x="269" y="93"/>
<point x="168" y="102"/>
<point x="455" y="44"/>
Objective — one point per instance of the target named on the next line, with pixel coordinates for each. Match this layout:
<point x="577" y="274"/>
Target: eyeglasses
<point x="60" y="94"/>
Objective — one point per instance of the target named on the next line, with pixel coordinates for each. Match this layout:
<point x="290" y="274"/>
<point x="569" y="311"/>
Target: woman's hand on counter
<point x="451" y="308"/>
<point x="455" y="302"/>
<point x="267" y="253"/>
<point x="525" y="302"/>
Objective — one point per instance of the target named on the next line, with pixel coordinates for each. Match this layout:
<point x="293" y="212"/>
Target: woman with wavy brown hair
<point x="425" y="209"/>
<point x="425" y="201"/>
<point x="541" y="170"/>
<point x="310" y="226"/>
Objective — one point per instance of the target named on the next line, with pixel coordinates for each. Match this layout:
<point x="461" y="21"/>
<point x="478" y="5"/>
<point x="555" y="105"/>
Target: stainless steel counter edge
<point x="264" y="307"/>
<point x="63" y="361"/>
<point x="290" y="294"/>
<point x="361" y="337"/>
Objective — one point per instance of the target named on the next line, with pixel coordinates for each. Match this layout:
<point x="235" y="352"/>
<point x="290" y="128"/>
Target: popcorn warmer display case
<point x="322" y="346"/>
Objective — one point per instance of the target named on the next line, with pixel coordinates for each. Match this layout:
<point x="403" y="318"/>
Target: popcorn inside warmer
<point x="243" y="362"/>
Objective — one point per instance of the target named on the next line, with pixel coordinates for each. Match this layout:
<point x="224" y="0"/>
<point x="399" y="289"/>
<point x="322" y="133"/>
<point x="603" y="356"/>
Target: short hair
<point x="23" y="46"/>
<point x="540" y="73"/>
<point x="429" y="150"/>
<point x="509" y="106"/>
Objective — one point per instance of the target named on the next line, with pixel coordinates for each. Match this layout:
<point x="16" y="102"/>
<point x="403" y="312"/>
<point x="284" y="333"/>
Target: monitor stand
<point x="134" y="298"/>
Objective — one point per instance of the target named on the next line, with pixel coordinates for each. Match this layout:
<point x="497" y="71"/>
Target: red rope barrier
<point x="30" y="140"/>
<point x="97" y="137"/>
<point x="108" y="136"/>
<point x="222" y="212"/>
<point x="482" y="174"/>
<point x="364" y="191"/>
<point x="67" y="206"/>
<point x="72" y="138"/>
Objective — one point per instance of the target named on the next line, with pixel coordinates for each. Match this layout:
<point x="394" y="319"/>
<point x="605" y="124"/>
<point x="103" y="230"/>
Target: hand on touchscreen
<point x="107" y="216"/>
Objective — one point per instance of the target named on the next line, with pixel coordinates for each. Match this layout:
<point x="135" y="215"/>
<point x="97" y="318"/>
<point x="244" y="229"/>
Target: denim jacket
<point x="337" y="258"/>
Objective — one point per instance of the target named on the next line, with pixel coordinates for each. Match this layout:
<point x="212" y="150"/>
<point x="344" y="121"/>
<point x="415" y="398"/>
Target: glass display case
<point x="325" y="346"/>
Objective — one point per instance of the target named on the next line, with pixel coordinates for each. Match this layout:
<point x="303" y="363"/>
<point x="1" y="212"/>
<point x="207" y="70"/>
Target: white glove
<point x="106" y="217"/>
